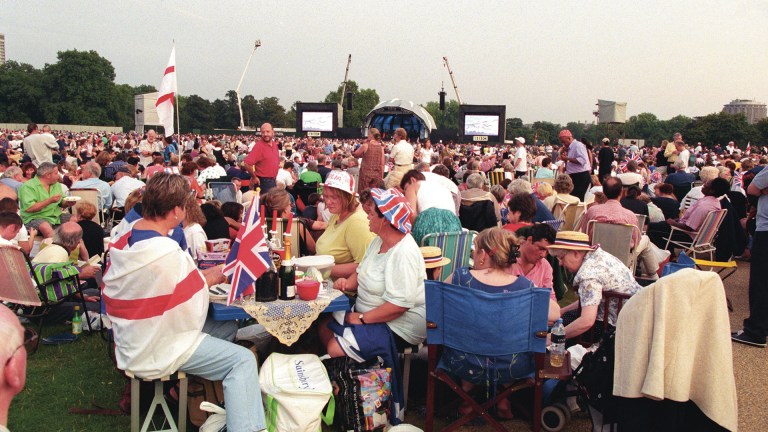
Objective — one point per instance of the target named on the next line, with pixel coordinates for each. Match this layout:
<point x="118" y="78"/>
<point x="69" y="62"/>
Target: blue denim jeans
<point x="215" y="360"/>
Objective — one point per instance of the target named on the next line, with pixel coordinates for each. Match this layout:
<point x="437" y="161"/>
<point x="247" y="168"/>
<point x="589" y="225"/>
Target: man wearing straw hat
<point x="596" y="271"/>
<point x="434" y="261"/>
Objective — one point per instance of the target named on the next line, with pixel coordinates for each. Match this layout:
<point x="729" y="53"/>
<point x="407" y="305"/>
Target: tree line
<point x="80" y="88"/>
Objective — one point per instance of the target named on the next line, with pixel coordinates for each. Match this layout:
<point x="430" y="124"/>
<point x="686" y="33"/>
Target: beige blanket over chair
<point x="673" y="342"/>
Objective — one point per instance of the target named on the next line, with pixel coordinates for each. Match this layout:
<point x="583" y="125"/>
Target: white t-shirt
<point x="521" y="154"/>
<point x="433" y="195"/>
<point x="285" y="177"/>
<point x="402" y="153"/>
<point x="426" y="155"/>
<point x="682" y="160"/>
<point x="395" y="277"/>
<point x="195" y="236"/>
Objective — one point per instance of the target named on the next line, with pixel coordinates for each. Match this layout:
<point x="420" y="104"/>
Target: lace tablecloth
<point x="287" y="320"/>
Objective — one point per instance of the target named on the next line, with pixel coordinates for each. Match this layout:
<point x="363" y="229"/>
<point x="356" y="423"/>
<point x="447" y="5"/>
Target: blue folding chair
<point x="488" y="324"/>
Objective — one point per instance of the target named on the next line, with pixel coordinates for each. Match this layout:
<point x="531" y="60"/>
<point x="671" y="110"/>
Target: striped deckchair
<point x="455" y="245"/>
<point x="703" y="239"/>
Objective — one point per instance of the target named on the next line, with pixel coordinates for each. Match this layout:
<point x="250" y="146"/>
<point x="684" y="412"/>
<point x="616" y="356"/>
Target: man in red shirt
<point x="263" y="161"/>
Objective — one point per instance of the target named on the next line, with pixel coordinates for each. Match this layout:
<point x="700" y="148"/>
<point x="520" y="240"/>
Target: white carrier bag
<point x="296" y="388"/>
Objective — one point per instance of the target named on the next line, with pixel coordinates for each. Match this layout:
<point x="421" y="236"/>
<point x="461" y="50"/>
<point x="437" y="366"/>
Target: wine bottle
<point x="287" y="273"/>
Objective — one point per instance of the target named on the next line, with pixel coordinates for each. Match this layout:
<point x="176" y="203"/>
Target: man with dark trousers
<point x="577" y="166"/>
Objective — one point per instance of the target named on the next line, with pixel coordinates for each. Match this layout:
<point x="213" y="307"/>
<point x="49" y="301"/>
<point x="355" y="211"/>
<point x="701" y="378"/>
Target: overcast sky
<point x="544" y="60"/>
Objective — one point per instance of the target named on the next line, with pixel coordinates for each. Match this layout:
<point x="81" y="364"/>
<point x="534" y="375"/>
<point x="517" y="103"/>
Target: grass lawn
<point x="65" y="376"/>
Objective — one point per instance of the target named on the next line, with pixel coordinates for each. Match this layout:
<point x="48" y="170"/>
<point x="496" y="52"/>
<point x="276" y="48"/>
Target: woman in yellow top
<point x="347" y="236"/>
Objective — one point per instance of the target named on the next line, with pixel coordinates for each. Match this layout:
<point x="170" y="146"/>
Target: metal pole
<point x="450" y="72"/>
<point x="237" y="90"/>
<point x="176" y="94"/>
<point x="344" y="83"/>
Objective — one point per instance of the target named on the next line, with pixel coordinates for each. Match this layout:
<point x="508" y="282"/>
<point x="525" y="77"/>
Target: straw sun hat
<point x="433" y="257"/>
<point x="572" y="240"/>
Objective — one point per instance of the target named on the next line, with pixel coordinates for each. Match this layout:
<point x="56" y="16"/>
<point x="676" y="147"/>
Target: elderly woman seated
<point x="390" y="311"/>
<point x="563" y="187"/>
<point x="479" y="209"/>
<point x="596" y="271"/>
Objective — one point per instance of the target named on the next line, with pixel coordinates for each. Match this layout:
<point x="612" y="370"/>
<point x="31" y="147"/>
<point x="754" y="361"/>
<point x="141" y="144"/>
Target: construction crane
<point x="237" y="90"/>
<point x="344" y="84"/>
<point x="450" y="72"/>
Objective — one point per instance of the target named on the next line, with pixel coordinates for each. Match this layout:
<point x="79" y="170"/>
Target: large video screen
<point x="313" y="121"/>
<point x="482" y="123"/>
<point x="475" y="124"/>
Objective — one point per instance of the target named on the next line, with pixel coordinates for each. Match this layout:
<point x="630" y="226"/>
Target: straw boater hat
<point x="572" y="240"/>
<point x="433" y="257"/>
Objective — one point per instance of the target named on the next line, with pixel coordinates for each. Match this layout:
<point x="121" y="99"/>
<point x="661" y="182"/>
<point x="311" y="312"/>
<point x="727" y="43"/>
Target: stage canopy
<point x="397" y="113"/>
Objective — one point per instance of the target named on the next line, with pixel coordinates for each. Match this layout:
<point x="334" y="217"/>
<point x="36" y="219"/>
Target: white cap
<point x="341" y="180"/>
<point x="521" y="139"/>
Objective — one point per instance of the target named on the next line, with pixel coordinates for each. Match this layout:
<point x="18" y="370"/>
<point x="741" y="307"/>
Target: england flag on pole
<point x="165" y="96"/>
<point x="249" y="257"/>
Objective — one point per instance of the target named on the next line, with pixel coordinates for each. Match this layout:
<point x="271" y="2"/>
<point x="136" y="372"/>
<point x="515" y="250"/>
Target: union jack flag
<point x="249" y="256"/>
<point x="656" y="177"/>
<point x="394" y="207"/>
<point x="623" y="166"/>
<point x="636" y="157"/>
<point x="738" y="181"/>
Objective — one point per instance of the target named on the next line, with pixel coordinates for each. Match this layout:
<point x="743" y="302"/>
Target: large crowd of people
<point x="368" y="203"/>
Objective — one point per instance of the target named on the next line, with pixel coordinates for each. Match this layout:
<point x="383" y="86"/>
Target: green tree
<point x="197" y="113"/>
<point x="546" y="131"/>
<point x="515" y="128"/>
<point x="720" y="128"/>
<point x="80" y="89"/>
<point x="21" y="93"/>
<point x="270" y="111"/>
<point x="762" y="128"/>
<point x="448" y="119"/>
<point x="363" y="101"/>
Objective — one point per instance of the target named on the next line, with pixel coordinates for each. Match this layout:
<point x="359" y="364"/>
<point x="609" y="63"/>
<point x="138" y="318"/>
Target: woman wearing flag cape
<point x="157" y="301"/>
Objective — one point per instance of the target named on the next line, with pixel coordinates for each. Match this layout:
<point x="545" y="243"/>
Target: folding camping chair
<point x="223" y="191"/>
<point x="724" y="269"/>
<point x="487" y="324"/>
<point x="92" y="196"/>
<point x="703" y="239"/>
<point x="27" y="294"/>
<point x="571" y="214"/>
<point x="616" y="239"/>
<point x="455" y="245"/>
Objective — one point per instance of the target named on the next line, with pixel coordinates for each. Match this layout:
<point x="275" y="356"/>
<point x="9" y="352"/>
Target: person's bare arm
<point x="584" y="322"/>
<point x="343" y="270"/>
<point x="38" y="206"/>
<point x="381" y="314"/>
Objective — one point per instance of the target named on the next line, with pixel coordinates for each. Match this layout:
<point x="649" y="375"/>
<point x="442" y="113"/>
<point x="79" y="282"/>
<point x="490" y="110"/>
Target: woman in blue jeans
<point x="157" y="301"/>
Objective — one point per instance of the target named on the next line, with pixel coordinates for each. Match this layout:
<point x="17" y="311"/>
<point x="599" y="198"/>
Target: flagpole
<point x="176" y="93"/>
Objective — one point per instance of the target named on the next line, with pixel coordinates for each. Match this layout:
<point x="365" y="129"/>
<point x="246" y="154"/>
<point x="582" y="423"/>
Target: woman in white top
<point x="434" y="209"/>
<point x="193" y="228"/>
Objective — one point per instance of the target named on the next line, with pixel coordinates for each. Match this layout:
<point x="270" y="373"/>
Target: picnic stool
<point x="159" y="400"/>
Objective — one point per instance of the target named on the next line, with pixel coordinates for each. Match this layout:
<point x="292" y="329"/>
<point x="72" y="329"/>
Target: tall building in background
<point x="753" y="110"/>
<point x="2" y="48"/>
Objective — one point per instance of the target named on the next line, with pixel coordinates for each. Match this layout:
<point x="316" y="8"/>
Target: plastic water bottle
<point x="77" y="322"/>
<point x="557" y="347"/>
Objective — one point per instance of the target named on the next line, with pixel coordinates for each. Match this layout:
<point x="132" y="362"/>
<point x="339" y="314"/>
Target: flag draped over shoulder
<point x="166" y="95"/>
<point x="249" y="256"/>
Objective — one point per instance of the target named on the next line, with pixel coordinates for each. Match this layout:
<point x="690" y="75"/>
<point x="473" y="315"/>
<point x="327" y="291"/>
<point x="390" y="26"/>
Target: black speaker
<point x="349" y="100"/>
<point x="442" y="100"/>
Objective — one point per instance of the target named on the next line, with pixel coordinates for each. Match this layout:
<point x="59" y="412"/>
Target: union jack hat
<point x="393" y="205"/>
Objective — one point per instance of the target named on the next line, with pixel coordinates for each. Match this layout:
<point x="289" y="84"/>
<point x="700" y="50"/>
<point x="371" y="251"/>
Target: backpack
<point x="594" y="376"/>
<point x="296" y="388"/>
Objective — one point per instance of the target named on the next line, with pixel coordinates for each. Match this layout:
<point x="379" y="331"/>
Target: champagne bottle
<point x="287" y="273"/>
<point x="268" y="283"/>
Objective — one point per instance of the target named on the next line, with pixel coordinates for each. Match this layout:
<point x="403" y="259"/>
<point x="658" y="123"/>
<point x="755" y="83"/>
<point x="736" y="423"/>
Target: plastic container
<point x="307" y="289"/>
<point x="324" y="263"/>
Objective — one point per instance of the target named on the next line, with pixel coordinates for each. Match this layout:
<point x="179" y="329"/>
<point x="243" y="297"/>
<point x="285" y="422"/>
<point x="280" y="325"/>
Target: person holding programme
<point x="40" y="200"/>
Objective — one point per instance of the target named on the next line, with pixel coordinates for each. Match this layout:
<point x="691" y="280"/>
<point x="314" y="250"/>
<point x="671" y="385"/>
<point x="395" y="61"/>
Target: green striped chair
<point x="455" y="245"/>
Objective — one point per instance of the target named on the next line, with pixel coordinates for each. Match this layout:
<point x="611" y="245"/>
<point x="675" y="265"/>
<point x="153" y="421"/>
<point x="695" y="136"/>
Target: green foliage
<point x="448" y="119"/>
<point x="720" y="128"/>
<point x="363" y="101"/>
<point x="21" y="92"/>
<point x="197" y="113"/>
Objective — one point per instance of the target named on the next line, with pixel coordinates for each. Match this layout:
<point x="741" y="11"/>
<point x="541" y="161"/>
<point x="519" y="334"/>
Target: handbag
<point x="362" y="391"/>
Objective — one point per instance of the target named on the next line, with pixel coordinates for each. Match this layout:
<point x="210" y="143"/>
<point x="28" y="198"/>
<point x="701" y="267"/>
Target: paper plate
<point x="72" y="198"/>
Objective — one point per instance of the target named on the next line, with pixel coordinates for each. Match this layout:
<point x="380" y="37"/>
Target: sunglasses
<point x="30" y="344"/>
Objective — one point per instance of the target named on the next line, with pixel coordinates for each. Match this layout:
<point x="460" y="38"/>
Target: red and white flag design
<point x="166" y="95"/>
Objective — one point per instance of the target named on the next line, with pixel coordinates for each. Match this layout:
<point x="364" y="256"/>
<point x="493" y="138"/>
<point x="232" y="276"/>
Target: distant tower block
<point x="2" y="48"/>
<point x="752" y="109"/>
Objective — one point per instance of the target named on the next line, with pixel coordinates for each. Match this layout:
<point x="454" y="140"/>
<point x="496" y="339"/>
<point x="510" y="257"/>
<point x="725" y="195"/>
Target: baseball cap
<point x="340" y="180"/>
<point x="521" y="139"/>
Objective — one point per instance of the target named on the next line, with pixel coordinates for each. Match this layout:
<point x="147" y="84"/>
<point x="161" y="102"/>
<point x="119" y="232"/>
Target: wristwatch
<point x="360" y="317"/>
